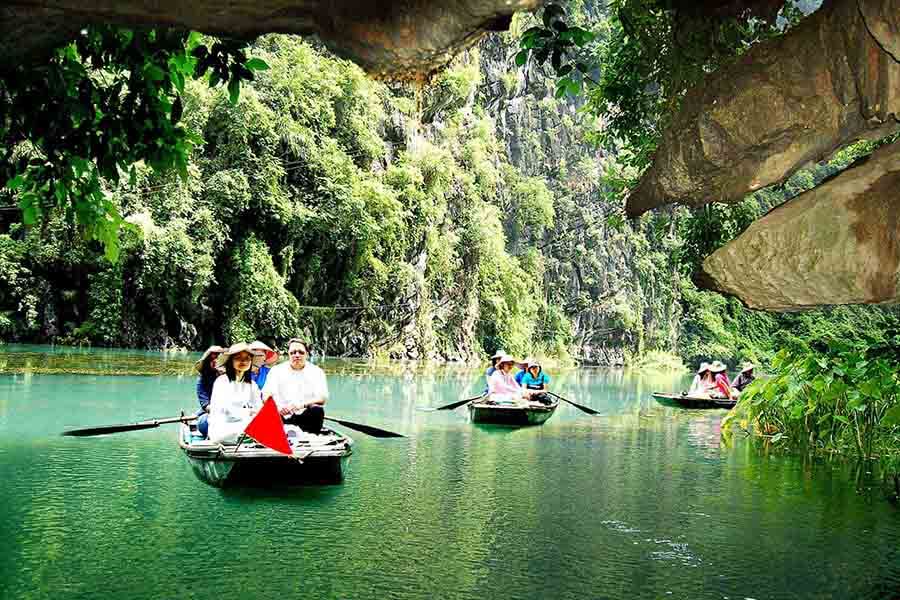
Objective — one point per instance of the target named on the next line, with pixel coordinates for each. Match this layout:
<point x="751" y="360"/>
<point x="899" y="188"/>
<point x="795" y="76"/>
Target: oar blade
<point x="581" y="407"/>
<point x="367" y="429"/>
<point x="105" y="430"/>
<point x="149" y="424"/>
<point x="457" y="404"/>
<point x="586" y="409"/>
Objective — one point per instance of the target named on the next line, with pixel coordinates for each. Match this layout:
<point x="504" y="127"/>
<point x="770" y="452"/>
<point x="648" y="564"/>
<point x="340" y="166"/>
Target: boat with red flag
<point x="314" y="458"/>
<point x="266" y="452"/>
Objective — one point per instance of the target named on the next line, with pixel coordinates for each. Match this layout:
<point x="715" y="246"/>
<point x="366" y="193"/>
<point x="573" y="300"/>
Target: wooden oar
<point x="106" y="429"/>
<point x="589" y="411"/>
<point x="367" y="429"/>
<point x="456" y="404"/>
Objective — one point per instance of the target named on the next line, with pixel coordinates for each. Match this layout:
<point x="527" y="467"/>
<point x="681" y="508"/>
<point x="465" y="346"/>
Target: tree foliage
<point x="301" y="208"/>
<point x="112" y="97"/>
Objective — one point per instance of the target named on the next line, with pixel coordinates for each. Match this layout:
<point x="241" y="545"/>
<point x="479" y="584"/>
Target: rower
<point x="299" y="389"/>
<point x="744" y="378"/>
<point x="208" y="371"/>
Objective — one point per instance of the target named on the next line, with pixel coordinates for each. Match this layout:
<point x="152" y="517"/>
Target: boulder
<point x="786" y="103"/>
<point x="408" y="39"/>
<point x="838" y="243"/>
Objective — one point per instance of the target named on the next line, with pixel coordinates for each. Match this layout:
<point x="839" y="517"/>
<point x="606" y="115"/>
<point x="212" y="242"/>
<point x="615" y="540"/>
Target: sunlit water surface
<point x="643" y="502"/>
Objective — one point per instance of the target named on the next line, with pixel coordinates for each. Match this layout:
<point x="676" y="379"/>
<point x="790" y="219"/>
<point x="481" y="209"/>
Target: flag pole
<point x="240" y="441"/>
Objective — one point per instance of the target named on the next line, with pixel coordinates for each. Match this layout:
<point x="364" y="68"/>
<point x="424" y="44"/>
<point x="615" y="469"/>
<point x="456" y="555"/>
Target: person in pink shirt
<point x="723" y="385"/>
<point x="502" y="386"/>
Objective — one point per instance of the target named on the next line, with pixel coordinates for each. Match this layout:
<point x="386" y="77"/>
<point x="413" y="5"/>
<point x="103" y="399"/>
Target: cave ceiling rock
<point x="839" y="241"/>
<point x="832" y="80"/>
<point x="402" y="40"/>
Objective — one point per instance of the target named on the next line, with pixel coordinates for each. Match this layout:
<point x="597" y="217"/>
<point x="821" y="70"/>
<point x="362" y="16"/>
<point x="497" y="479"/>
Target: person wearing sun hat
<point x="263" y="359"/>
<point x="701" y="380"/>
<point x="208" y="371"/>
<point x="492" y="368"/>
<point x="720" y="374"/>
<point x="502" y="386"/>
<point x="535" y="382"/>
<point x="235" y="397"/>
<point x="494" y="359"/>
<point x="523" y="368"/>
<point x="744" y="378"/>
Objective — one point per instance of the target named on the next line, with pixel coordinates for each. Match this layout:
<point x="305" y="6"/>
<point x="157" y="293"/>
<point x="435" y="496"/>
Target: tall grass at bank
<point x="833" y="395"/>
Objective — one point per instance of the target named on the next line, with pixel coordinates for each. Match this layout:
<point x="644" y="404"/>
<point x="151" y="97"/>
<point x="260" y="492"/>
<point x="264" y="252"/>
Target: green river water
<point x="643" y="502"/>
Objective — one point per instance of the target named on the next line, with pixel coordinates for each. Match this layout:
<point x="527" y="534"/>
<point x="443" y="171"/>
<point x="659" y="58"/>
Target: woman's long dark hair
<point x="232" y="374"/>
<point x="207" y="371"/>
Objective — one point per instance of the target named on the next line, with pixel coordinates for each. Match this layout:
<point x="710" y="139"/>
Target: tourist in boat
<point x="536" y="383"/>
<point x="299" y="389"/>
<point x="523" y="368"/>
<point x="492" y="368"/>
<point x="703" y="381"/>
<point x="208" y="371"/>
<point x="744" y="378"/>
<point x="502" y="386"/>
<point x="722" y="387"/>
<point x="264" y="358"/>
<point x="235" y="397"/>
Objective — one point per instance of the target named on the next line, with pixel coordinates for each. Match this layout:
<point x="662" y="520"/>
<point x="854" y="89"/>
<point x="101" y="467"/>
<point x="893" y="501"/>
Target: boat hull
<point x="255" y="466"/>
<point x="696" y="402"/>
<point x="520" y="416"/>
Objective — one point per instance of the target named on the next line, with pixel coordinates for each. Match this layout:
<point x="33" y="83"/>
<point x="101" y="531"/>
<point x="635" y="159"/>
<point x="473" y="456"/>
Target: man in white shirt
<point x="299" y="389"/>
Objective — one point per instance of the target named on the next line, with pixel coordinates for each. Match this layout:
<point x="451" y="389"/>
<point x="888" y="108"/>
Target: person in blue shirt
<point x="208" y="371"/>
<point x="523" y="368"/>
<point x="536" y="382"/>
<point x="263" y="360"/>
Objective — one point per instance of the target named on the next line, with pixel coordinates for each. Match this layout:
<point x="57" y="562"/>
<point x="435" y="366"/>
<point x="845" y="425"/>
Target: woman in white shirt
<point x="235" y="397"/>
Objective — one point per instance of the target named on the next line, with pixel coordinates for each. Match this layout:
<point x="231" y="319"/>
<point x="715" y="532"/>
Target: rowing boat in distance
<point x="317" y="459"/>
<point x="688" y="401"/>
<point x="519" y="413"/>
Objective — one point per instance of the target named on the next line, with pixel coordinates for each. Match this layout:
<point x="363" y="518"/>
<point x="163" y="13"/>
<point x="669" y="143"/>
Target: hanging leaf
<point x="234" y="90"/>
<point x="521" y="57"/>
<point x="177" y="110"/>
<point x="257" y="64"/>
<point x="891" y="418"/>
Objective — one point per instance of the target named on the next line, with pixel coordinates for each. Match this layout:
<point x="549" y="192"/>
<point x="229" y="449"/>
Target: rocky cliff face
<point x="616" y="290"/>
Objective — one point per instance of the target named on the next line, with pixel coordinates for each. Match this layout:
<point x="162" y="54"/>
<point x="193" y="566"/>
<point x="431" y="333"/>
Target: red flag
<point x="268" y="429"/>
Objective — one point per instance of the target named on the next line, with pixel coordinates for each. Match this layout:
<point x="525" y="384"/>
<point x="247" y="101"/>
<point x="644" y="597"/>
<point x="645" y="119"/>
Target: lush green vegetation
<point x="306" y="206"/>
<point x="109" y="99"/>
<point x="837" y="392"/>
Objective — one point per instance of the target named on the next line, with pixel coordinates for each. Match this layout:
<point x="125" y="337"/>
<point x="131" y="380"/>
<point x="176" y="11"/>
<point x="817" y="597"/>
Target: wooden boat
<point x="317" y="459"/>
<point x="531" y="413"/>
<point x="687" y="401"/>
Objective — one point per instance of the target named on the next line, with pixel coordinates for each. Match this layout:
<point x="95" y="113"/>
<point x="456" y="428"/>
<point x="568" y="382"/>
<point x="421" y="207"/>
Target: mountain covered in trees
<point x="478" y="212"/>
